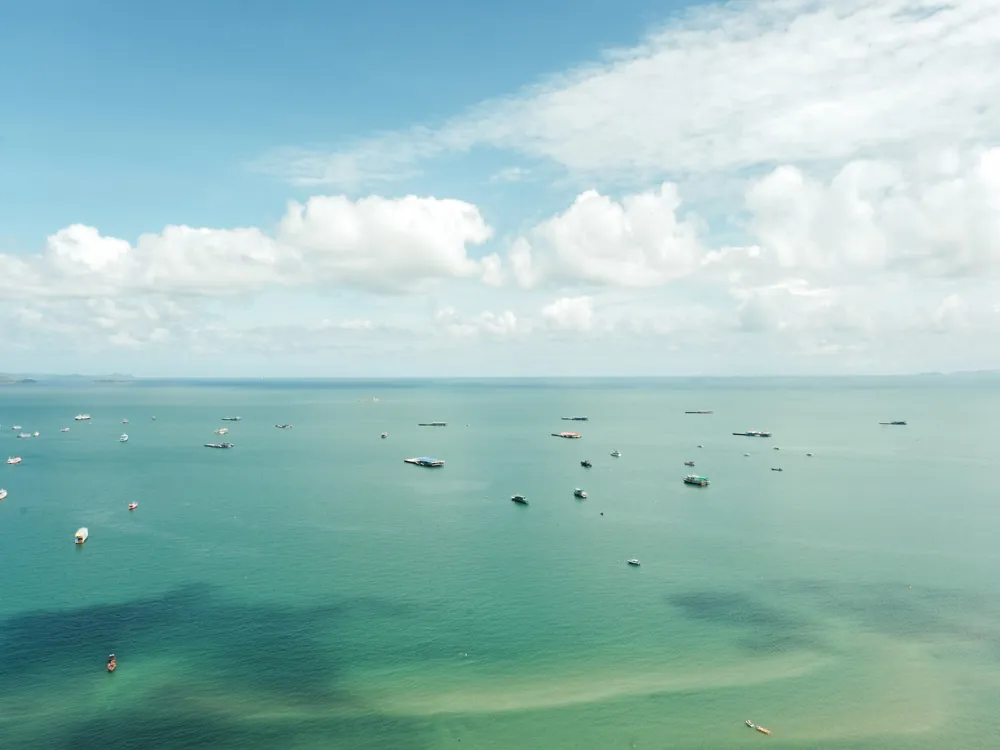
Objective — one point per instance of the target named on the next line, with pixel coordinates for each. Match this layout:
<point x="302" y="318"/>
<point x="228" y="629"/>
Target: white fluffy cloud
<point x="726" y="87"/>
<point x="379" y="244"/>
<point x="570" y="313"/>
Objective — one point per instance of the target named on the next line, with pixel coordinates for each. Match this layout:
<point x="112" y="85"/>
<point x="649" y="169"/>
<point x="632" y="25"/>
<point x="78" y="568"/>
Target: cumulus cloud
<point x="570" y="313"/>
<point x="375" y="243"/>
<point x="727" y="87"/>
<point x="498" y="325"/>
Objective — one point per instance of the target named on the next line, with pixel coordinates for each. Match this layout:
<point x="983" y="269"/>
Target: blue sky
<point x="655" y="188"/>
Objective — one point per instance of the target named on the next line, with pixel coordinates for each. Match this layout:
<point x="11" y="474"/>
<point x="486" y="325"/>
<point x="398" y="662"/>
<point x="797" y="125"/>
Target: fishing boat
<point x="696" y="480"/>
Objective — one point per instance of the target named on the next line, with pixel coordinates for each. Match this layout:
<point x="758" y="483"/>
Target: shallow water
<point x="309" y="590"/>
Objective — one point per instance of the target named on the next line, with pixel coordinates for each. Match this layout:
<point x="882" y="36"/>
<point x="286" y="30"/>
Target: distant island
<point x="35" y="378"/>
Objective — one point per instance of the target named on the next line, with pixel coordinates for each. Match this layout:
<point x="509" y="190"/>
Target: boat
<point x="519" y="499"/>
<point x="776" y="448"/>
<point x="64" y="429"/>
<point x="3" y="493"/>
<point x="898" y="423"/>
<point x="385" y="435"/>
<point x="16" y="427"/>
<point x="634" y="562"/>
<point x="35" y="434"/>
<point x="699" y="411"/>
<point x="696" y="480"/>
<point x="616" y="454"/>
<point x="23" y="435"/>
<point x="133" y="505"/>
<point x="579" y="493"/>
<point x="432" y="424"/>
<point x="574" y="419"/>
<point x="123" y="438"/>
<point x="809" y="454"/>
<point x="689" y="463"/>
<point x="283" y="426"/>
<point x="14" y="460"/>
<point x="567" y="435"/>
<point x="586" y="464"/>
<point x="81" y="535"/>
<point x="753" y="433"/>
<point x="82" y="417"/>
<point x="231" y="419"/>
<point x="762" y="730"/>
<point x="773" y="469"/>
<point x="218" y="445"/>
<point x="222" y="431"/>
<point x="124" y="421"/>
<point x="154" y="418"/>
<point x="112" y="663"/>
<point x="425" y="461"/>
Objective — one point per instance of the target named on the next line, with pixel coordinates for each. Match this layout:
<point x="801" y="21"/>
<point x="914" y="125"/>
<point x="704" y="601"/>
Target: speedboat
<point x="634" y="562"/>
<point x="13" y="460"/>
<point x="586" y="464"/>
<point x="579" y="493"/>
<point x="81" y="535"/>
<point x="519" y="499"/>
<point x="616" y="454"/>
<point x="3" y="493"/>
<point x="133" y="505"/>
<point x="385" y="435"/>
<point x="82" y="417"/>
<point x="123" y="438"/>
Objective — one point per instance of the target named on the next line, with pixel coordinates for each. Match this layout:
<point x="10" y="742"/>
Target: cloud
<point x="725" y="88"/>
<point x="637" y="242"/>
<point x="378" y="244"/>
<point x="570" y="314"/>
<point x="497" y="325"/>
<point x="510" y="174"/>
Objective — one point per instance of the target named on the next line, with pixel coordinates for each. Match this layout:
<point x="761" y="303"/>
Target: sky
<point x="524" y="188"/>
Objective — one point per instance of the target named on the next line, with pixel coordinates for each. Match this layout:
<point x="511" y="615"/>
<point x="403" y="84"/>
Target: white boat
<point x="24" y="435"/>
<point x="34" y="434"/>
<point x="579" y="493"/>
<point x="82" y="417"/>
<point x="3" y="493"/>
<point x="81" y="535"/>
<point x="123" y="438"/>
<point x="385" y="435"/>
<point x="16" y="427"/>
<point x="222" y="431"/>
<point x="124" y="421"/>
<point x="64" y="429"/>
<point x="634" y="562"/>
<point x="133" y="505"/>
<point x="14" y="460"/>
<point x="616" y="454"/>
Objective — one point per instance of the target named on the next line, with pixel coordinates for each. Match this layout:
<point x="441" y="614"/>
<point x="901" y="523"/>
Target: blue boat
<point x="424" y="461"/>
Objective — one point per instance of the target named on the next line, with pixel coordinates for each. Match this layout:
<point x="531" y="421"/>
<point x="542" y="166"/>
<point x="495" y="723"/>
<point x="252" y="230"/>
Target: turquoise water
<point x="308" y="589"/>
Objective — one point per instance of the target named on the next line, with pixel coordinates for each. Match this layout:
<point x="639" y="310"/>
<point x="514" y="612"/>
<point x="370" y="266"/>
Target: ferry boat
<point x="574" y="419"/>
<point x="133" y="505"/>
<point x="898" y="423"/>
<point x="432" y="424"/>
<point x="3" y="493"/>
<point x="425" y="461"/>
<point x="218" y="445"/>
<point x="13" y="460"/>
<point x="82" y="417"/>
<point x="519" y="499"/>
<point x="123" y="438"/>
<point x="753" y="433"/>
<point x="579" y="493"/>
<point x="81" y="535"/>
<point x="567" y="435"/>
<point x="231" y="419"/>
<point x="696" y="480"/>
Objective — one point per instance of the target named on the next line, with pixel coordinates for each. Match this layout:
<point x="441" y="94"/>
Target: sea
<point x="309" y="589"/>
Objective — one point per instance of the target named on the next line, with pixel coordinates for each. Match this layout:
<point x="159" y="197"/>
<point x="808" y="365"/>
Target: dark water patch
<point x="763" y="627"/>
<point x="249" y="657"/>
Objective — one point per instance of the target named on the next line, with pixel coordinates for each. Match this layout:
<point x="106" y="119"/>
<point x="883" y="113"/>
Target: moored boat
<point x="519" y="499"/>
<point x="633" y="562"/>
<point x="218" y="445"/>
<point x="425" y="461"/>
<point x="753" y="433"/>
<point x="696" y="480"/>
<point x="567" y="435"/>
<point x="579" y="493"/>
